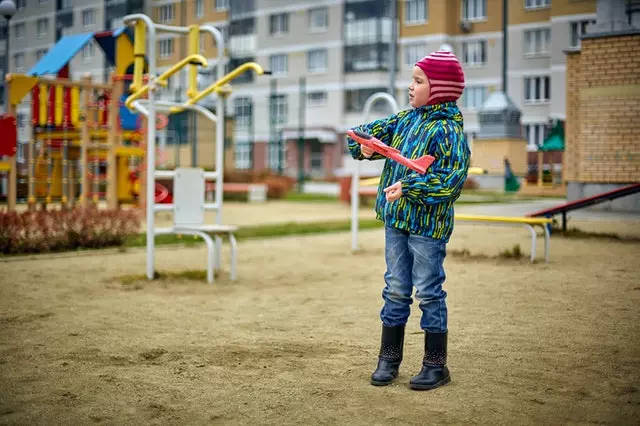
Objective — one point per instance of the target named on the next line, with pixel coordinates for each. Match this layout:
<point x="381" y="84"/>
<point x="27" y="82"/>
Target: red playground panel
<point x="9" y="132"/>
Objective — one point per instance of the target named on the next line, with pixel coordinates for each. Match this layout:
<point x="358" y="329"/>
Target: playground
<point x="93" y="341"/>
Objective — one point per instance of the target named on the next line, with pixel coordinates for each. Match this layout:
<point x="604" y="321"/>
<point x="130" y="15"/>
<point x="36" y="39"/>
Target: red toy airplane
<point x="420" y="165"/>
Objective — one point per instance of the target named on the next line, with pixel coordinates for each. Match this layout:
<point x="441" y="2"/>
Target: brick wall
<point x="603" y="110"/>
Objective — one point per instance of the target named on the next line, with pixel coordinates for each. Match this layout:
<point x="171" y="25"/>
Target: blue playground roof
<point x="69" y="46"/>
<point x="60" y="54"/>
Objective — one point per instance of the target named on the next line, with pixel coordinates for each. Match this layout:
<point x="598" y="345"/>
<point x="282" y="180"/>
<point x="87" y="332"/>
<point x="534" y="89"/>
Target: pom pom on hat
<point x="445" y="75"/>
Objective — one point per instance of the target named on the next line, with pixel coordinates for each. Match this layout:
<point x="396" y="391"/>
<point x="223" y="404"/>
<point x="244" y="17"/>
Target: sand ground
<point x="294" y="340"/>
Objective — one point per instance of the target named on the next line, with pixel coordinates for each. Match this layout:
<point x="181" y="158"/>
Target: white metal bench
<point x="189" y="208"/>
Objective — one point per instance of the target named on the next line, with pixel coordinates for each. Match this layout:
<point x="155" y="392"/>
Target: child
<point x="418" y="213"/>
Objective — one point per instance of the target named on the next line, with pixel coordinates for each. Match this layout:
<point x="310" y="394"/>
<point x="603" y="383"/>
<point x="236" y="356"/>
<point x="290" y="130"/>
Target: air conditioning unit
<point x="465" y="26"/>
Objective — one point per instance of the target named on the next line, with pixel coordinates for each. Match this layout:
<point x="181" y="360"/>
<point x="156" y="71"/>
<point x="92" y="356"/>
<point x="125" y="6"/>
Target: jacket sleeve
<point x="381" y="129"/>
<point x="445" y="178"/>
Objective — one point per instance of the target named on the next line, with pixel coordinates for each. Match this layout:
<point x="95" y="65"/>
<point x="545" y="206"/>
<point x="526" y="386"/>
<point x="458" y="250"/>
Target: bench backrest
<point x="188" y="197"/>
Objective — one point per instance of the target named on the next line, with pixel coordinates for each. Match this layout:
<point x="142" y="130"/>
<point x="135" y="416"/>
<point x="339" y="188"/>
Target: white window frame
<point x="243" y="104"/>
<point x="88" y="18"/>
<point x="279" y="108"/>
<point x="543" y="82"/>
<point x="167" y="13"/>
<point x="318" y="19"/>
<point x="534" y="133"/>
<point x="576" y="30"/>
<point x="474" y="10"/>
<point x="537" y="42"/>
<point x="317" y="98"/>
<point x="416" y="12"/>
<point x="276" y="152"/>
<point x="243" y="155"/>
<point x="18" y="62"/>
<point x="536" y="4"/>
<point x="279" y="64"/>
<point x="278" y="24"/>
<point x="474" y="97"/>
<point x="317" y="61"/>
<point x="413" y="53"/>
<point x="42" y="27"/>
<point x="166" y="48"/>
<point x="199" y="8"/>
<point x="88" y="51"/>
<point x="20" y="30"/>
<point x="222" y="4"/>
<point x="472" y="52"/>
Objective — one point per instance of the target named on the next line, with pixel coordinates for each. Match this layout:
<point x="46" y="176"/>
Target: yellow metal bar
<point x="5" y="166"/>
<point x="194" y="49"/>
<point x="140" y="39"/>
<point x="218" y="84"/>
<point x="504" y="219"/>
<point x="162" y="78"/>
<point x="42" y="108"/>
<point x="75" y="106"/>
<point x="59" y="103"/>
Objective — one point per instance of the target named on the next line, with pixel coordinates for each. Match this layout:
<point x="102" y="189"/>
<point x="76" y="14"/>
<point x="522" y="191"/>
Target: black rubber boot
<point x="390" y="355"/>
<point x="434" y="372"/>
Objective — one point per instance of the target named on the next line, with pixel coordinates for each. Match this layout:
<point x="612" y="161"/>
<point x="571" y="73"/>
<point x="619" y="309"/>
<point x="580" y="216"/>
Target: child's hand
<point x="366" y="151"/>
<point x="394" y="191"/>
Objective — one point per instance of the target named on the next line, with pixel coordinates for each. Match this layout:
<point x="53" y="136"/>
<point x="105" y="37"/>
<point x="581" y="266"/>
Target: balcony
<point x="243" y="45"/>
<point x="367" y="31"/>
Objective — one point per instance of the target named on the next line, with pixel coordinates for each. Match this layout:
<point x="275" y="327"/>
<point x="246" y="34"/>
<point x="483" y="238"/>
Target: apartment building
<point x="328" y="56"/>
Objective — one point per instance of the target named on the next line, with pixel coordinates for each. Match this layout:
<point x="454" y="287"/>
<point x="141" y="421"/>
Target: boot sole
<point x="416" y="386"/>
<point x="378" y="383"/>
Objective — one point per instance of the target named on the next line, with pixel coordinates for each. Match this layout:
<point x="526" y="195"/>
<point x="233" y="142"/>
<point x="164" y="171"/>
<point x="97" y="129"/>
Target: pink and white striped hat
<point x="445" y="75"/>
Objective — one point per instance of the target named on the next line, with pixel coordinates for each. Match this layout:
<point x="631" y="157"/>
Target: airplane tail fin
<point x="424" y="162"/>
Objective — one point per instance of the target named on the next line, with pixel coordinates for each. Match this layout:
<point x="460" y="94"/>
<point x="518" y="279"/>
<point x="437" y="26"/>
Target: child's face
<point x="419" y="89"/>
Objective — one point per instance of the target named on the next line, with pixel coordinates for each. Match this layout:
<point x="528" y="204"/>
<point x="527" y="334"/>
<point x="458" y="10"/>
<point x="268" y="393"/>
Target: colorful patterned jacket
<point x="426" y="205"/>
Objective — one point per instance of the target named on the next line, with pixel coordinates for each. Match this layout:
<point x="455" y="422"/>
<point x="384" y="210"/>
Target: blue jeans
<point x="414" y="260"/>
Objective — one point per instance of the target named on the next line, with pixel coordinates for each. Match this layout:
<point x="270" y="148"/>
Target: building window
<point x="87" y="52"/>
<point x="535" y="134"/>
<point x="88" y="18"/>
<point x="20" y="30"/>
<point x="318" y="19"/>
<point x="243" y="110"/>
<point x="279" y="24"/>
<point x="167" y="13"/>
<point x="474" y="97"/>
<point x="279" y="109"/>
<point x="415" y="11"/>
<point x="243" y="156"/>
<point x="275" y="154"/>
<point x="316" y="99"/>
<point x="536" y="42"/>
<point x="578" y="29"/>
<point x="42" y="27"/>
<point x="222" y="4"/>
<point x="21" y="4"/>
<point x="536" y="4"/>
<point x="373" y="57"/>
<point x="40" y="53"/>
<point x="199" y="8"/>
<point x="317" y="60"/>
<point x="18" y="62"/>
<point x="166" y="48"/>
<point x="317" y="155"/>
<point x="474" y="52"/>
<point x="413" y="53"/>
<point x="537" y="89"/>
<point x="278" y="64"/>
<point x="474" y="10"/>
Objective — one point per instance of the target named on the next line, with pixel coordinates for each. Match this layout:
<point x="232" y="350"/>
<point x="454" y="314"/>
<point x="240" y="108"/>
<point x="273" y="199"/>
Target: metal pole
<point x="151" y="139"/>
<point x="355" y="176"/>
<point x="272" y="119"/>
<point x="392" y="49"/>
<point x="6" y="67"/>
<point x="302" y="109"/>
<point x="505" y="44"/>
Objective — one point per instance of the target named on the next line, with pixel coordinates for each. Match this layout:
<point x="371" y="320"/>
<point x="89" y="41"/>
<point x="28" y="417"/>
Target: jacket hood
<point x="442" y="111"/>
